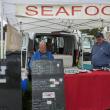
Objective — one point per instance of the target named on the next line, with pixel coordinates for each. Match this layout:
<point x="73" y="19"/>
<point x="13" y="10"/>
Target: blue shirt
<point x="41" y="56"/>
<point x="101" y="54"/>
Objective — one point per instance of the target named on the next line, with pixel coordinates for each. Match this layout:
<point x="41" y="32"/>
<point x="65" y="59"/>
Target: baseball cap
<point x="99" y="34"/>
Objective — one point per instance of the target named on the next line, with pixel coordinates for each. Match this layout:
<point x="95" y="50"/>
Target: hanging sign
<point x="72" y="11"/>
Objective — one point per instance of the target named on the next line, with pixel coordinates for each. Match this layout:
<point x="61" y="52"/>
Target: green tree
<point x="91" y="31"/>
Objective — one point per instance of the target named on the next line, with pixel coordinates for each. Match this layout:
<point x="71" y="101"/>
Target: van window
<point x="86" y="43"/>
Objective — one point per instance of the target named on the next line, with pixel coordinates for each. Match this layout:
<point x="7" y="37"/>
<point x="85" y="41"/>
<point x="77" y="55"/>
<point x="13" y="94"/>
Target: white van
<point x="63" y="45"/>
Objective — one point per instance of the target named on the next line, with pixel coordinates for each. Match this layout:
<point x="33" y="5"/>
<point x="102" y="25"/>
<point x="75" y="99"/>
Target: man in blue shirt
<point x="101" y="52"/>
<point x="41" y="54"/>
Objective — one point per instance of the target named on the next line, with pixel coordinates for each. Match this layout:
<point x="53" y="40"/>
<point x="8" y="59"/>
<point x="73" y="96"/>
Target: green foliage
<point x="91" y="31"/>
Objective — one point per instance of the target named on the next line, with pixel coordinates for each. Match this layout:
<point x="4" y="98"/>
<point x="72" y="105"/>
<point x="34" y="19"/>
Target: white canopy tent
<point x="49" y="24"/>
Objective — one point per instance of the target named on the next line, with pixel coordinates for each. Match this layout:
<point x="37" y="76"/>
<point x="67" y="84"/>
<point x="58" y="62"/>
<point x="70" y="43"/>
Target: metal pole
<point x="21" y="48"/>
<point x="27" y="41"/>
<point x="82" y="51"/>
<point x="5" y="45"/>
<point x="1" y="56"/>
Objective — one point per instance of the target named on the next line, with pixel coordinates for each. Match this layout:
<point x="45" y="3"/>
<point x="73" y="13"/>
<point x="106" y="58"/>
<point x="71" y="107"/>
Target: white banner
<point x="80" y="11"/>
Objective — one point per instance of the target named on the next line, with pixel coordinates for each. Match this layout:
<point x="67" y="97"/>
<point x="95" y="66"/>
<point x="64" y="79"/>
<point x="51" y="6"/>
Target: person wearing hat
<point x="100" y="52"/>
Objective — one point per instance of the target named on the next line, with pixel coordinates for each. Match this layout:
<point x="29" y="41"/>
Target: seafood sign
<point x="72" y="11"/>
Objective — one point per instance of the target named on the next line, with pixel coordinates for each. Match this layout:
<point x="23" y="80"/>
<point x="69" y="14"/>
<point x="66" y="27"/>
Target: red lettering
<point x="103" y="10"/>
<point x="62" y="10"/>
<point x="74" y="9"/>
<point x="92" y="7"/>
<point x="46" y="10"/>
<point x="31" y="10"/>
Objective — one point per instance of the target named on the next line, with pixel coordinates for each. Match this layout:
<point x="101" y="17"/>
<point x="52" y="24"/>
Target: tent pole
<point x="82" y="52"/>
<point x="26" y="54"/>
<point x="21" y="48"/>
<point x="5" y="43"/>
<point x="1" y="56"/>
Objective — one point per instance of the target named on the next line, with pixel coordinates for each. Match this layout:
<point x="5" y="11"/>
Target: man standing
<point x="101" y="52"/>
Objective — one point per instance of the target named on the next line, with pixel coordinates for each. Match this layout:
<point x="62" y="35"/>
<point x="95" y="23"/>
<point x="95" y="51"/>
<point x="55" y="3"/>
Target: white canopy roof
<point x="54" y="1"/>
<point x="38" y="25"/>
